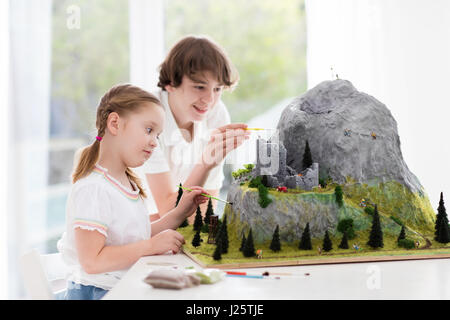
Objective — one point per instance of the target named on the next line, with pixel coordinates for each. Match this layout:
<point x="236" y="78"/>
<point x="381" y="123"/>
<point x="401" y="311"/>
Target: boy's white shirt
<point x="178" y="156"/>
<point x="98" y="202"/>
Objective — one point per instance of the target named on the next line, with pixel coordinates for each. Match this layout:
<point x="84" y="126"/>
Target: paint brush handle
<point x="205" y="195"/>
<point x="256" y="129"/>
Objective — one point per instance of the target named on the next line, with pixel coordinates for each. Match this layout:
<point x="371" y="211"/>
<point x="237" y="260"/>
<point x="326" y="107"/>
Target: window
<point x="265" y="39"/>
<point x="87" y="59"/>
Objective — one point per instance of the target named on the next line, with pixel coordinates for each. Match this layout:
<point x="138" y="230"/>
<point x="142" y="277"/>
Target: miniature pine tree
<point x="242" y="242"/>
<point x="441" y="217"/>
<point x="209" y="212"/>
<point x="218" y="252"/>
<point x="185" y="223"/>
<point x="197" y="239"/>
<point x="327" y="244"/>
<point x="344" y="242"/>
<point x="249" y="248"/>
<point x="275" y="245"/>
<point x="307" y="158"/>
<point x="224" y="235"/>
<point x="402" y="234"/>
<point x="444" y="233"/>
<point x="339" y="195"/>
<point x="376" y="234"/>
<point x="305" y="242"/>
<point x="198" y="222"/>
<point x="180" y="194"/>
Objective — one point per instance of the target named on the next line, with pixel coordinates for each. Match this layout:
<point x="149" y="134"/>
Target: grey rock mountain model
<point x="350" y="133"/>
<point x="354" y="142"/>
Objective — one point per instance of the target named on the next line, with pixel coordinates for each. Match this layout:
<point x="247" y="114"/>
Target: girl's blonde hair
<point x="121" y="99"/>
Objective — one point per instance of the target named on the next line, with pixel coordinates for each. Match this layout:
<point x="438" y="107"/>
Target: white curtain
<point x="4" y="137"/>
<point x="397" y="51"/>
<point x="147" y="52"/>
<point x="146" y="42"/>
<point x="28" y="107"/>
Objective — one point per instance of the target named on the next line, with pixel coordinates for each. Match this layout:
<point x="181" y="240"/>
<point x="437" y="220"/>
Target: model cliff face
<point x="354" y="143"/>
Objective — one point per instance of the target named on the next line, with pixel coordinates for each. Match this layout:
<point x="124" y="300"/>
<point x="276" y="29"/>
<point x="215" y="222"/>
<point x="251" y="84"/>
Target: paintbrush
<point x="207" y="195"/>
<point x="256" y="129"/>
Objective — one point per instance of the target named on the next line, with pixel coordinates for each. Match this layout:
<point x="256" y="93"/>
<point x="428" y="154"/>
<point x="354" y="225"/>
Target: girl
<point x="198" y="132"/>
<point x="107" y="226"/>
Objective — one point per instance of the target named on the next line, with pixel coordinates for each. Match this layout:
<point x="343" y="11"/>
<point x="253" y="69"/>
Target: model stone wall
<point x="271" y="162"/>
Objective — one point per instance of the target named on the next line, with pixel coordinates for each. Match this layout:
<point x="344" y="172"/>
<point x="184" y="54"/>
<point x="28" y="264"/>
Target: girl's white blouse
<point x="102" y="204"/>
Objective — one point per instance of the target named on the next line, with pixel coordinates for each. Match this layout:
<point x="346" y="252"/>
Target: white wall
<point x="4" y="137"/>
<point x="146" y="42"/>
<point x="29" y="117"/>
<point x="399" y="52"/>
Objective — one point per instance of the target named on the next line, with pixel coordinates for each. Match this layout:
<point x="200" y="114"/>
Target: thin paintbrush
<point x="207" y="195"/>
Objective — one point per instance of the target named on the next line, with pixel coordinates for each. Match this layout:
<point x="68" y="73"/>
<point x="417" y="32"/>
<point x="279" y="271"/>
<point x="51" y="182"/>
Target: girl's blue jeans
<point x="77" y="291"/>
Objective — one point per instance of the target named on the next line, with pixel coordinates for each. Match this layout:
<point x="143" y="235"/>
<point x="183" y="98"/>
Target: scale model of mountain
<point x="354" y="143"/>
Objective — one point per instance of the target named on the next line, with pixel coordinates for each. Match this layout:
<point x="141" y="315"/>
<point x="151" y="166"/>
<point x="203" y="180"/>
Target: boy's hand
<point x="191" y="200"/>
<point x="224" y="140"/>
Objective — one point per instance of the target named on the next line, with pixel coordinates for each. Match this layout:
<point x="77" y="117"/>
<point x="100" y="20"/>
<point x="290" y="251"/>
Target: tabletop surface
<point x="414" y="279"/>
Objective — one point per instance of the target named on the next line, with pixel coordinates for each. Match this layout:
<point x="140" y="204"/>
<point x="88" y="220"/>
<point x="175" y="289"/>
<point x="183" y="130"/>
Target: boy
<point x="198" y="133"/>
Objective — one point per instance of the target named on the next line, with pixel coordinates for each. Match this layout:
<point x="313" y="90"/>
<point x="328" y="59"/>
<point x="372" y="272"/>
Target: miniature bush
<point x="263" y="192"/>
<point x="346" y="226"/>
<point x="247" y="169"/>
<point x="255" y="182"/>
<point x="339" y="195"/>
<point x="369" y="210"/>
<point x="264" y="199"/>
<point x="406" y="243"/>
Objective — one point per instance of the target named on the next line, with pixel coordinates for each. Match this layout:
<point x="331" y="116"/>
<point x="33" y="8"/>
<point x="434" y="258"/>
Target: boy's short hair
<point x="193" y="55"/>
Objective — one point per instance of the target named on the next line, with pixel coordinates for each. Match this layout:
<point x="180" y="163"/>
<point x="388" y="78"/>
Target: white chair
<point x="43" y="275"/>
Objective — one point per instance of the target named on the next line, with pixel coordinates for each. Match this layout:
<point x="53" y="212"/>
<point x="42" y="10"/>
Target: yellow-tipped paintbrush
<point x="207" y="195"/>
<point x="256" y="129"/>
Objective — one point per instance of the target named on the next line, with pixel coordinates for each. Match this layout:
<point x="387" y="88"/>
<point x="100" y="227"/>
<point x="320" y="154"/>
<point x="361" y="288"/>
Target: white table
<point x="414" y="279"/>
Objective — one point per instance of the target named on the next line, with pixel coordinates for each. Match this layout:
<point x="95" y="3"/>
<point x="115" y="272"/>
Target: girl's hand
<point x="165" y="241"/>
<point x="191" y="200"/>
<point x="224" y="140"/>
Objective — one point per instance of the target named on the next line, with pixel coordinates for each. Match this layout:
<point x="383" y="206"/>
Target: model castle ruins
<point x="271" y="162"/>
